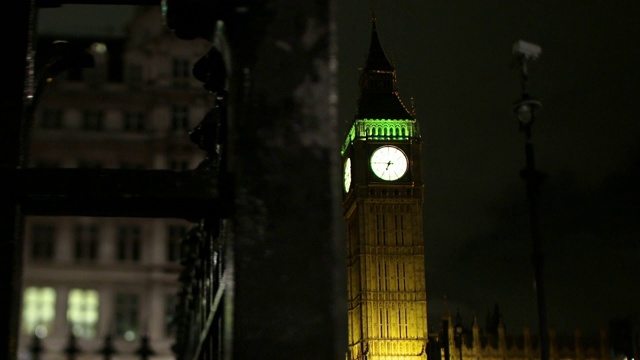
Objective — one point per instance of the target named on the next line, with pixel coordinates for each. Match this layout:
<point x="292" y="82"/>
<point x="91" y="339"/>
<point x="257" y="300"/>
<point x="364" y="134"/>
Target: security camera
<point x="526" y="50"/>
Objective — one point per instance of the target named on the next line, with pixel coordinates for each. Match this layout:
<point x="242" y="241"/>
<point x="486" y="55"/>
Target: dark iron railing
<point x="73" y="351"/>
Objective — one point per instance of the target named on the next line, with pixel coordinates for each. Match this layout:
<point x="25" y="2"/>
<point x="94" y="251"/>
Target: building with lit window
<point x="95" y="278"/>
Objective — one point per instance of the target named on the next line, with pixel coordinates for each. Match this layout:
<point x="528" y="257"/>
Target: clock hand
<point x="388" y="164"/>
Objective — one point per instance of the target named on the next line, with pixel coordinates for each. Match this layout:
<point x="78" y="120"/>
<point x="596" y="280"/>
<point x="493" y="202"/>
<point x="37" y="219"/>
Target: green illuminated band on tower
<point x="381" y="129"/>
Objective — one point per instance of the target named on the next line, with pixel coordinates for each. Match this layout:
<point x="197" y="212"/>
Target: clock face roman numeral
<point x="389" y="163"/>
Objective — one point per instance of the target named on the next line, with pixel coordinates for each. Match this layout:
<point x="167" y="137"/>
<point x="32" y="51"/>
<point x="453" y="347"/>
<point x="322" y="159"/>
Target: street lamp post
<point x="525" y="109"/>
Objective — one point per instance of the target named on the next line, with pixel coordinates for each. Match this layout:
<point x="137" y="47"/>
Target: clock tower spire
<point x="383" y="196"/>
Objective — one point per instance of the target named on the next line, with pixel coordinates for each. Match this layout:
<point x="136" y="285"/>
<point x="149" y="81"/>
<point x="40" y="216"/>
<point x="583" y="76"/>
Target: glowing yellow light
<point x="82" y="312"/>
<point x="99" y="47"/>
<point x="39" y="310"/>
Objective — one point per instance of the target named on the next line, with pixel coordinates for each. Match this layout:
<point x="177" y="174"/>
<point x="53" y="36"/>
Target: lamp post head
<point x="526" y="50"/>
<point x="525" y="110"/>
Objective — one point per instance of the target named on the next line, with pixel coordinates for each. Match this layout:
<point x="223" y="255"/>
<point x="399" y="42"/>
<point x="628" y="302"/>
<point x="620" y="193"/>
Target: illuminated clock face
<point x="347" y="174"/>
<point x="389" y="163"/>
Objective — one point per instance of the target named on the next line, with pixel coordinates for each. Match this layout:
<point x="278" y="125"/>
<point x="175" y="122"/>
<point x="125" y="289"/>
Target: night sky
<point x="454" y="59"/>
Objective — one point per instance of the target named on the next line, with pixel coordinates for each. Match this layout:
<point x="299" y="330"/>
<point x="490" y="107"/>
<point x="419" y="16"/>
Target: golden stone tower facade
<point x="383" y="196"/>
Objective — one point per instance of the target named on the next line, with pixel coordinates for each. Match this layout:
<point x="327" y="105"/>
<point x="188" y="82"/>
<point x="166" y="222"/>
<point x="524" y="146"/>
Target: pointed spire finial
<point x="378" y="81"/>
<point x="373" y="14"/>
<point x="376" y="59"/>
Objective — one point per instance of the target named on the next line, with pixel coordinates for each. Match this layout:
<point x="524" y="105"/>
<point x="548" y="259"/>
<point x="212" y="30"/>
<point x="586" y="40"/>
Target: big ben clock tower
<point x="383" y="195"/>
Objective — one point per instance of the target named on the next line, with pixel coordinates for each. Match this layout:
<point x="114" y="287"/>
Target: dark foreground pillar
<point x="11" y="115"/>
<point x="290" y="285"/>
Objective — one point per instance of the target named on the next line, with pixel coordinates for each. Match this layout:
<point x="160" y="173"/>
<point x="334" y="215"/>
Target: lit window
<point x="42" y="241"/>
<point x="127" y="324"/>
<point x="86" y="242"/>
<point x="175" y="235"/>
<point x="39" y="310"/>
<point x="82" y="312"/>
<point x="129" y="243"/>
<point x="179" y="118"/>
